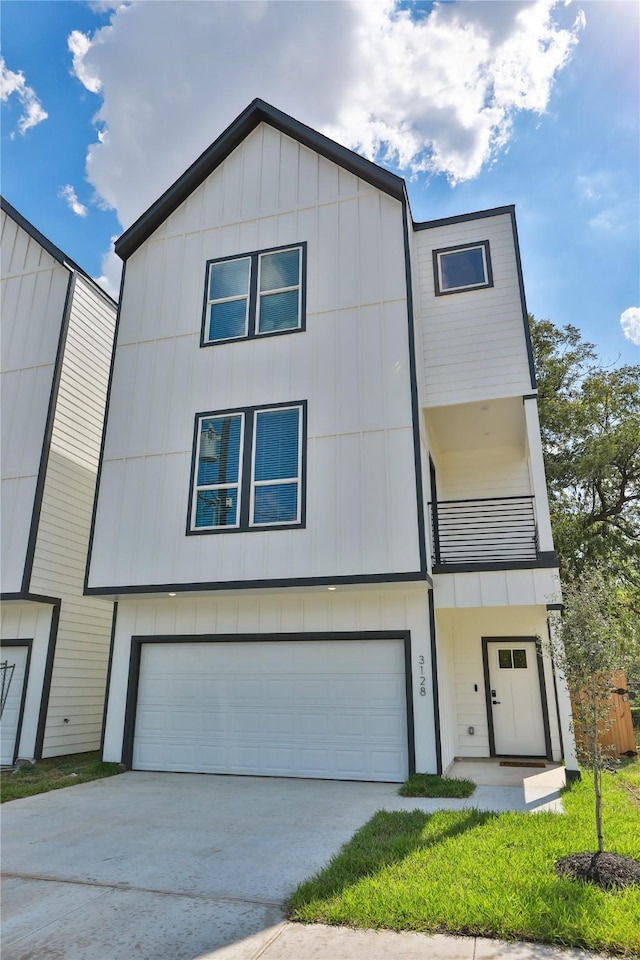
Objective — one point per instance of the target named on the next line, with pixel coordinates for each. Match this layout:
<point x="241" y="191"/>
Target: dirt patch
<point x="607" y="870"/>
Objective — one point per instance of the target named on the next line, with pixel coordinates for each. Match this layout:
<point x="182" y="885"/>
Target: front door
<point x="514" y="698"/>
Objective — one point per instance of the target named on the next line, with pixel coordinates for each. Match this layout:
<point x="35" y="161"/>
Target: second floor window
<point x="254" y="295"/>
<point x="248" y="469"/>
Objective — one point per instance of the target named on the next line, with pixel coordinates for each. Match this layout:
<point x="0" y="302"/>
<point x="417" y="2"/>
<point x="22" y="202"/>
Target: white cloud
<point x="79" y="45"/>
<point x="68" y="194"/>
<point x="12" y="83"/>
<point x="630" y="323"/>
<point x="435" y="93"/>
<point x="111" y="267"/>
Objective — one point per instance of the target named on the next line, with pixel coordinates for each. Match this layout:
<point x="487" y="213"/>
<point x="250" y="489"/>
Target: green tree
<point x="590" y="425"/>
<point x="593" y="638"/>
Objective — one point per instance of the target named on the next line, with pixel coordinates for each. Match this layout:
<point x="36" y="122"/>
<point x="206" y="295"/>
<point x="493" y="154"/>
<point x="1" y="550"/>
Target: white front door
<point x="13" y="686"/>
<point x="515" y="702"/>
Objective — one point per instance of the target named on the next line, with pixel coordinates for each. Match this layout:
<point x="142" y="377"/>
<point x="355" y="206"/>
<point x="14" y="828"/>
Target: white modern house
<point x="56" y="345"/>
<point x="321" y="502"/>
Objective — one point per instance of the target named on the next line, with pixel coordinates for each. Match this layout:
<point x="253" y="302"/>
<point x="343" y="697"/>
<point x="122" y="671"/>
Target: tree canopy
<point x="590" y="425"/>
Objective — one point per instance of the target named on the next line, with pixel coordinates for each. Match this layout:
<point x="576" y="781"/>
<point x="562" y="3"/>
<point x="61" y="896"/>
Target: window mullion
<point x="246" y="475"/>
<point x="253" y="297"/>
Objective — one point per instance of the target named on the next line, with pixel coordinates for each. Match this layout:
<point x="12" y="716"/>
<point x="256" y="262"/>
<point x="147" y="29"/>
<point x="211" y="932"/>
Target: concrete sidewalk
<point x="292" y="941"/>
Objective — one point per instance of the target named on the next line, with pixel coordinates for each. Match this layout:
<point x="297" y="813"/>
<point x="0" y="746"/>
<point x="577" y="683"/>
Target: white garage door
<point x="11" y="713"/>
<point x="303" y="708"/>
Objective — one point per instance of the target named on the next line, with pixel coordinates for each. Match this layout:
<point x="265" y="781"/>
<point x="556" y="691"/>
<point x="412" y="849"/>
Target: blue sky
<point x="476" y="104"/>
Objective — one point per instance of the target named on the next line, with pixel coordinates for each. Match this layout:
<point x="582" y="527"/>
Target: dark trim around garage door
<point x="136" y="652"/>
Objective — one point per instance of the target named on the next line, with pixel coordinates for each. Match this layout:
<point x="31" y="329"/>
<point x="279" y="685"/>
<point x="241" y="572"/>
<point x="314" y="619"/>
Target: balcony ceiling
<point x="486" y="425"/>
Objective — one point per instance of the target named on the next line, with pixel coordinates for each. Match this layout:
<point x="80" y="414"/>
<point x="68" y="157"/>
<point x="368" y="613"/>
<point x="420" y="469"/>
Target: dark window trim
<point x="28" y="643"/>
<point x="543" y="690"/>
<point x="483" y="244"/>
<point x="254" y="257"/>
<point x="136" y="652"/>
<point x="245" y="479"/>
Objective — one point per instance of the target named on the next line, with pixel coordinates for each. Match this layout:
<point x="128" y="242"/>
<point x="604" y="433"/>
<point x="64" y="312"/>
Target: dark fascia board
<point x="463" y="217"/>
<point x="124" y="590"/>
<point x="257" y="112"/>
<point x="51" y="248"/>
<point x="547" y="560"/>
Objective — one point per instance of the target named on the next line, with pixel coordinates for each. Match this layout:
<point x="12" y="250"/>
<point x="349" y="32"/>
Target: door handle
<point x="496" y="701"/>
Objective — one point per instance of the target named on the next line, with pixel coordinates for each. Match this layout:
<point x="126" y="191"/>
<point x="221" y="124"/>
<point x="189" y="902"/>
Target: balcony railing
<point x="496" y="530"/>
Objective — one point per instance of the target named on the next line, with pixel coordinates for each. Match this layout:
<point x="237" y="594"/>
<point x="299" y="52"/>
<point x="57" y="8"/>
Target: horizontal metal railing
<point x="484" y="531"/>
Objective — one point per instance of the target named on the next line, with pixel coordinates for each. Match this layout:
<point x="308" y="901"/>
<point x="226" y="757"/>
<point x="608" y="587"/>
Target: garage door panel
<point x="328" y="709"/>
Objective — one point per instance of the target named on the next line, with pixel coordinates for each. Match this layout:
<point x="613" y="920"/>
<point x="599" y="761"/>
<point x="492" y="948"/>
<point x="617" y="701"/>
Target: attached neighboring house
<point x="57" y="341"/>
<point x="321" y="505"/>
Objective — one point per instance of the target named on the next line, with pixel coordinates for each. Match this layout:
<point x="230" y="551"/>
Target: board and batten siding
<point x="34" y="290"/>
<point x="77" y="693"/>
<point x="351" y="365"/>
<point x="473" y="342"/>
<point x="460" y="635"/>
<point x="295" y="613"/>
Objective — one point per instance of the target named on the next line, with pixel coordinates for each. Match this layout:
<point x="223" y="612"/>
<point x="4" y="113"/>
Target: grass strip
<point x="485" y="874"/>
<point x="54" y="773"/>
<point x="431" y="785"/>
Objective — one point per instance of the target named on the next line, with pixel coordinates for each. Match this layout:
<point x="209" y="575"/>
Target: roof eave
<point x="257" y="112"/>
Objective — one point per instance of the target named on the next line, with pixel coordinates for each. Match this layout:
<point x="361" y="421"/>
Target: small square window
<point x="462" y="268"/>
<point x="254" y="295"/>
<point x="520" y="659"/>
<point x="504" y="659"/>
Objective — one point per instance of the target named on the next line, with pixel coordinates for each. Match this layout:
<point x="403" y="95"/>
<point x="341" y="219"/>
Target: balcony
<point x="495" y="533"/>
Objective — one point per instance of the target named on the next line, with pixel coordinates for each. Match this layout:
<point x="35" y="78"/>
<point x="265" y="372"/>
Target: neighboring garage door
<point x="10" y="723"/>
<point x="333" y="709"/>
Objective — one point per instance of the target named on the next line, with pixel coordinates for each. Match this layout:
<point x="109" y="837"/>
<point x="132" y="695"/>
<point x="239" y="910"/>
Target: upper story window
<point x="248" y="469"/>
<point x="254" y="295"/>
<point x="465" y="267"/>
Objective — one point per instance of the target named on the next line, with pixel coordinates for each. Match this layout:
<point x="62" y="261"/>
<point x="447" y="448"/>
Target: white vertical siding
<point x="78" y="682"/>
<point x="477" y="474"/>
<point x="319" y="612"/>
<point x="489" y="588"/>
<point x="29" y="621"/>
<point x="462" y="632"/>
<point x="34" y="288"/>
<point x="473" y="342"/>
<point x="351" y="365"/>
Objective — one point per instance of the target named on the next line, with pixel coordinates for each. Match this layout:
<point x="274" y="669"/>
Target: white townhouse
<point x="321" y="504"/>
<point x="56" y="346"/>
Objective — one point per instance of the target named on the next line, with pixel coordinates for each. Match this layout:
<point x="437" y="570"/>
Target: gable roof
<point x="50" y="247"/>
<point x="257" y="112"/>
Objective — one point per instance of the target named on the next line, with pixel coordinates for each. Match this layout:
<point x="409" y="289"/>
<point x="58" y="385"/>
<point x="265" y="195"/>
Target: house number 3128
<point x="423" y="679"/>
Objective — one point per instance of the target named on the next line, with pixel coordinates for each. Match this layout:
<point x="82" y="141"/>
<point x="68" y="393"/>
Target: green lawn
<point x="54" y="773"/>
<point x="486" y="874"/>
<point x="430" y="785"/>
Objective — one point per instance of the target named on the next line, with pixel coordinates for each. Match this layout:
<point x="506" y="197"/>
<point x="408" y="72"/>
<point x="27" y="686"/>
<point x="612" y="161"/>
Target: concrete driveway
<point x="166" y="866"/>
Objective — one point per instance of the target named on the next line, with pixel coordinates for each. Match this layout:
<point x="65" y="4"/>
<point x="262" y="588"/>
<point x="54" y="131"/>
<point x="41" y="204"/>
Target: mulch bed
<point x="607" y="870"/>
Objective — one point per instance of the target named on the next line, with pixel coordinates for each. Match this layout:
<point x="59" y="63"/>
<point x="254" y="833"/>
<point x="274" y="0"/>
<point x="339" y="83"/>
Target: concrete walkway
<point x="148" y="866"/>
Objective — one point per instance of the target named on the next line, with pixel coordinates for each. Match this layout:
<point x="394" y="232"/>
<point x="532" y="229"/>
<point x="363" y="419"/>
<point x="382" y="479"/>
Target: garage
<point x="13" y="690"/>
<point x="328" y="708"/>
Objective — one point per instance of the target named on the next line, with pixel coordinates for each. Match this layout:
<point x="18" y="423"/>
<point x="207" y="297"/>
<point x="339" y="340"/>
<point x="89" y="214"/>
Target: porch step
<point x="541" y="787"/>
